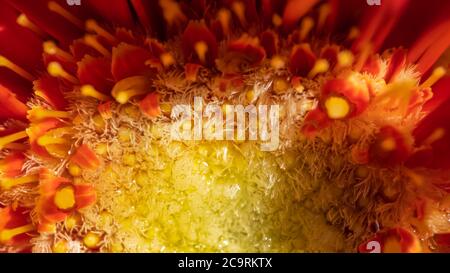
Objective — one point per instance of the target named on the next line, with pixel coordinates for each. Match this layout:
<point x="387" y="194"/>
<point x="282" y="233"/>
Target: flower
<point x="86" y="94"/>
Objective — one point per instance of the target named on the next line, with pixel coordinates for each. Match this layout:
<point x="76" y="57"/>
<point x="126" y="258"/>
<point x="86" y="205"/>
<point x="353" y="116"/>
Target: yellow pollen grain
<point x="321" y="66"/>
<point x="337" y="107"/>
<point x="56" y="70"/>
<point x="437" y="74"/>
<point x="72" y="221"/>
<point x="280" y="86"/>
<point x="60" y="247"/>
<point x="74" y="169"/>
<point x="91" y="240"/>
<point x="4" y="62"/>
<point x="65" y="198"/>
<point x="388" y="144"/>
<point x="55" y="7"/>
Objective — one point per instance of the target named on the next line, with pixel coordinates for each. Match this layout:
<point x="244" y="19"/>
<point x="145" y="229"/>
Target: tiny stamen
<point x="201" y="48"/>
<point x="52" y="49"/>
<point x="56" y="70"/>
<point x="15" y="68"/>
<point x="344" y="59"/>
<point x="23" y="21"/>
<point x="437" y="74"/>
<point x="324" y="12"/>
<point x="55" y="7"/>
<point x="92" y="25"/>
<point x="277" y="20"/>
<point x="167" y="59"/>
<point x="239" y="9"/>
<point x="224" y="16"/>
<point x="305" y="27"/>
<point x="321" y="66"/>
<point x="92" y="41"/>
<point x="90" y="91"/>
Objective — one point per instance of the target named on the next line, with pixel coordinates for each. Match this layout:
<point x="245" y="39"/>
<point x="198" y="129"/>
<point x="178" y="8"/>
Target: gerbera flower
<point x="88" y="164"/>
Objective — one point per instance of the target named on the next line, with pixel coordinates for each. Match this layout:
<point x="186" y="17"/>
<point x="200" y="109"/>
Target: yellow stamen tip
<point x="167" y="59"/>
<point x="305" y="27"/>
<point x="321" y="66"/>
<point x="90" y="91"/>
<point x="224" y="17"/>
<point x="277" y="20"/>
<point x="437" y="74"/>
<point x="388" y="144"/>
<point x="65" y="198"/>
<point x="201" y="48"/>
<point x="91" y="240"/>
<point x="345" y="58"/>
<point x="56" y="8"/>
<point x="337" y="107"/>
<point x="4" y="62"/>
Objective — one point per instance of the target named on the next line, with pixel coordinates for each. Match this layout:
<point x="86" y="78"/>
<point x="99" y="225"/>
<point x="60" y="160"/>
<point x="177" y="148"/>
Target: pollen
<point x="201" y="48"/>
<point x="337" y="107"/>
<point x="65" y="198"/>
<point x="91" y="240"/>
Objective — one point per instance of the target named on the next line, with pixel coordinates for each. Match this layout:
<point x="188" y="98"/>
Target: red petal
<point x="96" y="72"/>
<point x="294" y="10"/>
<point x="436" y="147"/>
<point x="302" y="60"/>
<point x="390" y="147"/>
<point x="330" y="53"/>
<point x="249" y="49"/>
<point x="396" y="64"/>
<point x="11" y="107"/>
<point x="49" y="88"/>
<point x="315" y="121"/>
<point x="129" y="60"/>
<point x="85" y="157"/>
<point x="197" y="32"/>
<point x="52" y="23"/>
<point x="270" y="42"/>
<point x="440" y="95"/>
<point x="150" y="105"/>
<point x="116" y="12"/>
<point x="402" y="241"/>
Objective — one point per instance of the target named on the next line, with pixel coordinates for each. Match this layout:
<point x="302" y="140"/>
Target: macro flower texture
<point x="87" y="93"/>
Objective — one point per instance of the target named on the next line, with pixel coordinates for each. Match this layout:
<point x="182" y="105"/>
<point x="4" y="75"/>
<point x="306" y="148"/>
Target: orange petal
<point x="85" y="195"/>
<point x="150" y="105"/>
<point x="96" y="72"/>
<point x="315" y="121"/>
<point x="17" y="222"/>
<point x="85" y="157"/>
